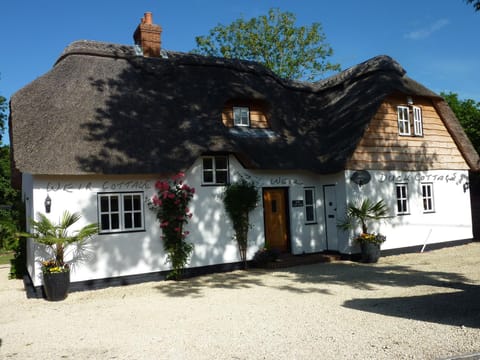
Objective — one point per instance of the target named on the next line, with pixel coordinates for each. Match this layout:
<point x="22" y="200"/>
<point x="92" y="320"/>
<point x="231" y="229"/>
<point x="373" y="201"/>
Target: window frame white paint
<point x="427" y="199"/>
<point x="121" y="212"/>
<point x="214" y="170"/>
<point x="403" y="123"/>
<point x="312" y="204"/>
<point x="417" y="121"/>
<point x="241" y="113"/>
<point x="402" y="202"/>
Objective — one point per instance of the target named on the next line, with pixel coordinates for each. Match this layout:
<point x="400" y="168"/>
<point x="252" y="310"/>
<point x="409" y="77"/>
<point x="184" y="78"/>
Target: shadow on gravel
<point x="194" y="287"/>
<point x="457" y="305"/>
<point x="461" y="308"/>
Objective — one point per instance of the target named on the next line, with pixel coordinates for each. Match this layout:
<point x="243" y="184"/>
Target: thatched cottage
<point x="109" y="120"/>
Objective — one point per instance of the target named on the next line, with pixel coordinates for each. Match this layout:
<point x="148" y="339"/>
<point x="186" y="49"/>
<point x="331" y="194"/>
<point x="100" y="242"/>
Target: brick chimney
<point x="148" y="36"/>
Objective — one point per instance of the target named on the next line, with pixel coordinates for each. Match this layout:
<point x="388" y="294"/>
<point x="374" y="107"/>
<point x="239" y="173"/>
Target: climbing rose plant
<point x="171" y="207"/>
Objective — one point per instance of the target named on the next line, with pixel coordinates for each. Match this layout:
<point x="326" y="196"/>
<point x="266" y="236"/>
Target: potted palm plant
<point x="359" y="215"/>
<point x="57" y="237"/>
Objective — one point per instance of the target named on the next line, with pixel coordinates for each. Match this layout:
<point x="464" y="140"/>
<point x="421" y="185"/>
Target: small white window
<point x="310" y="212"/>
<point x="403" y="120"/>
<point x="120" y="212"/>
<point x="402" y="199"/>
<point x="417" y="121"/>
<point x="215" y="170"/>
<point x="241" y="116"/>
<point x="427" y="197"/>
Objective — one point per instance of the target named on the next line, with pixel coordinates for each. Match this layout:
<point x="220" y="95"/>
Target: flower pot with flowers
<point x="171" y="207"/>
<point x="358" y="216"/>
<point x="57" y="237"/>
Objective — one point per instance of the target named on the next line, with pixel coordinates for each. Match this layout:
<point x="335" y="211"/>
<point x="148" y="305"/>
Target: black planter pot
<point x="370" y="252"/>
<point x="56" y="285"/>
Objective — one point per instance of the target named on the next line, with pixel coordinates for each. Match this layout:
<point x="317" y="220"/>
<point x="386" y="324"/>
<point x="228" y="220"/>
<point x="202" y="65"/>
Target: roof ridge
<point x="377" y="63"/>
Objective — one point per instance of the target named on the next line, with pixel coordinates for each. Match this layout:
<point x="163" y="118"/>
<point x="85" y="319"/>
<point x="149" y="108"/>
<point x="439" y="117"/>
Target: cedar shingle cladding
<point x="104" y="110"/>
<point x="383" y="148"/>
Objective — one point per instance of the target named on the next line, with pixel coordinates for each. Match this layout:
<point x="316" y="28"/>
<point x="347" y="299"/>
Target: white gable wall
<point x="451" y="219"/>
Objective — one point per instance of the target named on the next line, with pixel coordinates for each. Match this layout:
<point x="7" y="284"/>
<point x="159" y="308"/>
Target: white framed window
<point x="121" y="212"/>
<point x="309" y="204"/>
<point x="417" y="121"/>
<point x="241" y="116"/>
<point x="215" y="170"/>
<point x="402" y="199"/>
<point x="403" y="113"/>
<point x="427" y="197"/>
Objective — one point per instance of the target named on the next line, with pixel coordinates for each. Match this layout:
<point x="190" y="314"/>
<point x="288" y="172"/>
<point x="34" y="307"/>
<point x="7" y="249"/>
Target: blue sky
<point x="435" y="41"/>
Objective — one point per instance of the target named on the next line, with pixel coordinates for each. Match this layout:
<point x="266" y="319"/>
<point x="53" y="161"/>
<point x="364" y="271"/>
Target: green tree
<point x="468" y="113"/>
<point x="273" y="40"/>
<point x="475" y="3"/>
<point x="3" y="115"/>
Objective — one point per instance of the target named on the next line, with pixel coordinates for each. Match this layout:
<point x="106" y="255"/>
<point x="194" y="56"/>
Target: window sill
<point x="121" y="232"/>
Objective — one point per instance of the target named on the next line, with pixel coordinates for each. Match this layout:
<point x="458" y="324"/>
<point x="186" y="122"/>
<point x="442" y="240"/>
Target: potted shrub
<point x="359" y="216"/>
<point x="56" y="237"/>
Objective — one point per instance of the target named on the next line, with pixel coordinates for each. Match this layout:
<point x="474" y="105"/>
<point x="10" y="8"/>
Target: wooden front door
<point x="275" y="215"/>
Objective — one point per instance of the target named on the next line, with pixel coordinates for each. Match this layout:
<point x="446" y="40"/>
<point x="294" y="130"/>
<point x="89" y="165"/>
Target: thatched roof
<point x="103" y="109"/>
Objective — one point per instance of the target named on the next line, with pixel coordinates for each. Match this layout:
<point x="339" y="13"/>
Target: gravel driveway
<point x="414" y="306"/>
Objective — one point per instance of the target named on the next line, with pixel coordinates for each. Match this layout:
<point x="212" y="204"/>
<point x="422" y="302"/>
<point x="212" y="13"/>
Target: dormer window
<point x="245" y="114"/>
<point x="241" y="116"/>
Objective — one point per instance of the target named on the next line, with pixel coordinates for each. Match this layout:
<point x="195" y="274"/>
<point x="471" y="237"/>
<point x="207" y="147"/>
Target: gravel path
<point x="415" y="306"/>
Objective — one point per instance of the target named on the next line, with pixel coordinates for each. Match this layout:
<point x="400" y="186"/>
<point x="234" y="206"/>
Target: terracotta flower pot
<point x="56" y="285"/>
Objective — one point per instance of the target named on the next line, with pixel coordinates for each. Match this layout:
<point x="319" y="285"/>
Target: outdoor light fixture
<point x="409" y="100"/>
<point x="361" y="177"/>
<point x="48" y="204"/>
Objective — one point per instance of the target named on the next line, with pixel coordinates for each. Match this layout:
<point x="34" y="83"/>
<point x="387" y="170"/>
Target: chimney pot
<point x="148" y="36"/>
<point x="148" y="18"/>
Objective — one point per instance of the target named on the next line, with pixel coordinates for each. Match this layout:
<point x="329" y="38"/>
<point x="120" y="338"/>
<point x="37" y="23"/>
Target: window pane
<point x="309" y="212"/>
<point x="308" y="197"/>
<point x="208" y="177"/>
<point x="221" y="177"/>
<point x="104" y="204"/>
<point x="114" y="203"/>
<point x="105" y="222"/>
<point x="208" y="163"/>
<point x="137" y="203"/>
<point x="137" y="220"/>
<point x="115" y="222"/>
<point x="221" y="162"/>
<point x="127" y="218"/>
<point x="127" y="203"/>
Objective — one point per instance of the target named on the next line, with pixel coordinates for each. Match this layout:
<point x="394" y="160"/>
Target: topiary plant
<point x="240" y="199"/>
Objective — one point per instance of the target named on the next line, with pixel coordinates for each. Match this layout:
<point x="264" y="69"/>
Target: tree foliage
<point x="3" y="115"/>
<point x="475" y="3"/>
<point x="468" y="113"/>
<point x="273" y="40"/>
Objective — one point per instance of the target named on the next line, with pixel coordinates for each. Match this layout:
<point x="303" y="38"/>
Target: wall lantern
<point x="48" y="204"/>
<point x="409" y="100"/>
<point x="360" y="177"/>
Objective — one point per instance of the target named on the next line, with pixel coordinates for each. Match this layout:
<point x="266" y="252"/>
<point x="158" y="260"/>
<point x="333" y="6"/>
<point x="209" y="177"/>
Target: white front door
<point x="330" y="195"/>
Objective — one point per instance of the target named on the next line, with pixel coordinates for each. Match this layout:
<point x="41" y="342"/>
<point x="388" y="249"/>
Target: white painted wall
<point x="113" y="255"/>
<point x="450" y="221"/>
<point x="211" y="232"/>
